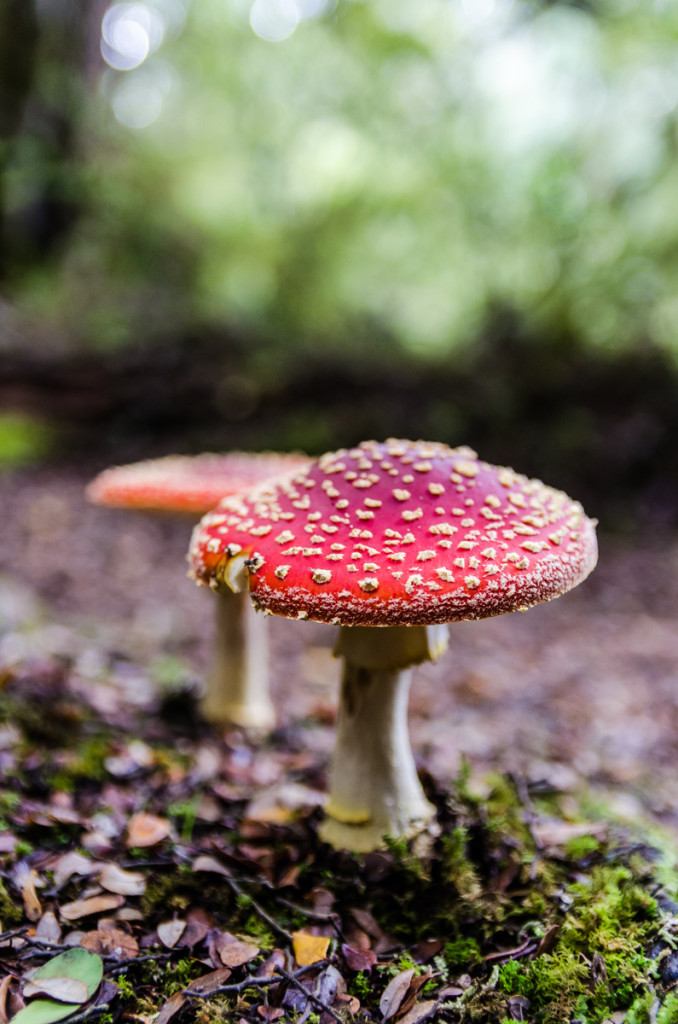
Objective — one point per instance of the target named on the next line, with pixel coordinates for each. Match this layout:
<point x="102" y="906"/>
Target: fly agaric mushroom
<point x="237" y="688"/>
<point x="404" y="536"/>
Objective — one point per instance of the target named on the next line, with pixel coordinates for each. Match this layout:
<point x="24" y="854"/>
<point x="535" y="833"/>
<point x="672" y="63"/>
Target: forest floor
<point x="548" y="742"/>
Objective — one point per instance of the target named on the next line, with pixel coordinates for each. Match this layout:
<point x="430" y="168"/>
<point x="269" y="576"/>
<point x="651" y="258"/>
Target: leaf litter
<point x="520" y="907"/>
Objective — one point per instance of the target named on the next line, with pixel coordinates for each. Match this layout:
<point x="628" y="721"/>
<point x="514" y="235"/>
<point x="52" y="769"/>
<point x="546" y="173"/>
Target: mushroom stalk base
<point x="237" y="687"/>
<point x="374" y="788"/>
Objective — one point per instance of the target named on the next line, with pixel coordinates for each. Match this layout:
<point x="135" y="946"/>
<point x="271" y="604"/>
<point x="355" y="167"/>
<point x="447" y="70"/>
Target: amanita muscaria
<point x="237" y="687"/>
<point x="390" y="541"/>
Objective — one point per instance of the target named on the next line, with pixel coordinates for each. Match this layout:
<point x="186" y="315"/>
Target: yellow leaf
<point x="309" y="949"/>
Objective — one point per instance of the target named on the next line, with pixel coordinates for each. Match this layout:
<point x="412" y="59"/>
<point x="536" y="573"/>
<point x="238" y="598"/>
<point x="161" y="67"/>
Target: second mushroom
<point x="237" y="689"/>
<point x="390" y="541"/>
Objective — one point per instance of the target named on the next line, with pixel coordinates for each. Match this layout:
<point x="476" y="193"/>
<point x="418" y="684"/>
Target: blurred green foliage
<point x="387" y="176"/>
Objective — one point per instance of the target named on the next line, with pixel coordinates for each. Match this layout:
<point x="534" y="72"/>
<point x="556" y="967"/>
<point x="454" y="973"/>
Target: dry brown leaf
<point x="64" y="990"/>
<point x="48" y="928"/>
<point x="419" y="1012"/>
<point x="416" y="985"/>
<point x="272" y="964"/>
<point x="358" y="959"/>
<point x="206" y="863"/>
<point x="25" y="878"/>
<point x="70" y="864"/>
<point x="172" y="1006"/>
<point x="126" y="883"/>
<point x="394" y="993"/>
<point x="198" y="924"/>
<point x="4" y="990"/>
<point x="270" y="1012"/>
<point x="352" y="1003"/>
<point x="209" y="983"/>
<point x="169" y="932"/>
<point x="233" y="952"/>
<point x="146" y="830"/>
<point x="110" y="941"/>
<point x="309" y="949"/>
<point x="94" y="905"/>
<point x="366" y="921"/>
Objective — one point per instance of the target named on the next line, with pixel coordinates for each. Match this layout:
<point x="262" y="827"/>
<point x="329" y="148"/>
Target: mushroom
<point x="237" y="687"/>
<point x="390" y="541"/>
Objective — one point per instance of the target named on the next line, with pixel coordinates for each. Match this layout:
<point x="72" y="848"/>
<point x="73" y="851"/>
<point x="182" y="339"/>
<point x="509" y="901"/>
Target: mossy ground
<point x="526" y="905"/>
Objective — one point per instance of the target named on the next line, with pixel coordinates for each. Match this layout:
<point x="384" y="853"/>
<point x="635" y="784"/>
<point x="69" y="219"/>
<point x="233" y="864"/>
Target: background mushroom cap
<point x="187" y="483"/>
<point x="399" y="532"/>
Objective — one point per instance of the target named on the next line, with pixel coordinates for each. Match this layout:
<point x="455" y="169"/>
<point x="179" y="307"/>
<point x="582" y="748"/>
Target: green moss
<point x="581" y="847"/>
<point x="462" y="953"/>
<point x="11" y="913"/>
<point x="84" y="765"/>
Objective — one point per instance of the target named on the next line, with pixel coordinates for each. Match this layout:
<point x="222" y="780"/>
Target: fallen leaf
<point x="416" y="985"/>
<point x="233" y="952"/>
<point x="358" y="959"/>
<point x="74" y="963"/>
<point x="519" y="1007"/>
<point x="70" y="864"/>
<point x="48" y="928"/>
<point x="208" y="983"/>
<point x="146" y="830"/>
<point x="170" y="1008"/>
<point x="126" y="883"/>
<point x="272" y="964"/>
<point x="42" y="1011"/>
<point x="93" y="905"/>
<point x="198" y="924"/>
<point x="25" y="878"/>
<point x="111" y="942"/>
<point x="309" y="949"/>
<point x="169" y="932"/>
<point x="65" y="990"/>
<point x="394" y="993"/>
<point x="211" y="864"/>
<point x="352" y="1003"/>
<point x="419" y="1012"/>
<point x="366" y="921"/>
<point x="270" y="1012"/>
<point x="4" y="989"/>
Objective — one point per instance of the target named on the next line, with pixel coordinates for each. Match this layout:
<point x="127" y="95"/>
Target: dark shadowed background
<point x="301" y="223"/>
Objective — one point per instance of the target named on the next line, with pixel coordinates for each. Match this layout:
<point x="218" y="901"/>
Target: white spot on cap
<point x="412" y="513"/>
<point x="425" y="556"/>
<point x="401" y="495"/>
<point x="471" y="582"/>
<point x="321" y="575"/>
<point x="369" y="584"/>
<point x="281" y="571"/>
<point x="261" y="531"/>
<point x="285" y="537"/>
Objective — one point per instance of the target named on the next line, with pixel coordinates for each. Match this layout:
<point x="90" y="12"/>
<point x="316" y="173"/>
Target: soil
<point x="579" y="693"/>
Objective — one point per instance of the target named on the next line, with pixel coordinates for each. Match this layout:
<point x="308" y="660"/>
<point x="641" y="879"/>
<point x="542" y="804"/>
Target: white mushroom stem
<point x="237" y="687"/>
<point x="374" y="788"/>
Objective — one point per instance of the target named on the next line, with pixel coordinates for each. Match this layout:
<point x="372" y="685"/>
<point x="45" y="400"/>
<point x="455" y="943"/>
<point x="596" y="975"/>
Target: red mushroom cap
<point x="399" y="532"/>
<point x="187" y="483"/>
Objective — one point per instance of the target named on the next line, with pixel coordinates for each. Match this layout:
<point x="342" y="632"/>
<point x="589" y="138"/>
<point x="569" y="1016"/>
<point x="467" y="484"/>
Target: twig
<point x="250" y="982"/>
<point x="314" y="915"/>
<point x="258" y="909"/>
<point x="311" y="996"/>
<point x="527" y="947"/>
